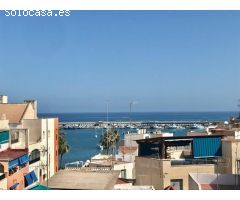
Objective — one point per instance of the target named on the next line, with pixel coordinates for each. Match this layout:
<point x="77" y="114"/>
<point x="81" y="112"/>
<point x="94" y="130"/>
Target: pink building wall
<point x="18" y="177"/>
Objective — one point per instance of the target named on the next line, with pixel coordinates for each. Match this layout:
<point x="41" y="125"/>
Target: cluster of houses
<point x="145" y="161"/>
<point x="28" y="145"/>
<point x="208" y="160"/>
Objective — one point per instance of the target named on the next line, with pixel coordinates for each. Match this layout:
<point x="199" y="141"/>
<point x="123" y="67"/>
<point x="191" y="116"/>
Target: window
<point x="14" y="137"/>
<point x="1" y="168"/>
<point x="34" y="156"/>
<point x="238" y="166"/>
<point x="123" y="173"/>
<point x="177" y="184"/>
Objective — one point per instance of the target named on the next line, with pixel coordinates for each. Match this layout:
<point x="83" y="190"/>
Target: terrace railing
<point x="192" y="161"/>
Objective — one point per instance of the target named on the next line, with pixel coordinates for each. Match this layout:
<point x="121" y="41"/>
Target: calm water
<point x="83" y="142"/>
<point x="147" y="116"/>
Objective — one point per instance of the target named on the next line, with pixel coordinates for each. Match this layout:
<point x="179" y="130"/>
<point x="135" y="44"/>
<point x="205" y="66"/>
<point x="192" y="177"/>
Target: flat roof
<point x="11" y="154"/>
<point x="162" y="138"/>
<point x="82" y="180"/>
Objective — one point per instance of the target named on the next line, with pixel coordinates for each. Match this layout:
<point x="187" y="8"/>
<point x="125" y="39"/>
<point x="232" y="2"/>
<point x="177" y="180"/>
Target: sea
<point x="83" y="142"/>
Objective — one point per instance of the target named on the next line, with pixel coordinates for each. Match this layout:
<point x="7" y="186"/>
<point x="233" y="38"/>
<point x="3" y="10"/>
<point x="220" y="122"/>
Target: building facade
<point x="20" y="128"/>
<point x="167" y="161"/>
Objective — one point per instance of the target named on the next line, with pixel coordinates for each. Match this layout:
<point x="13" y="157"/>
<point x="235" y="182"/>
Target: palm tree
<point x="63" y="146"/>
<point x="109" y="139"/>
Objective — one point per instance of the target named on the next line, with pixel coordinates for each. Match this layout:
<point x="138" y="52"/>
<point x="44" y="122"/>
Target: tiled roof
<point x="13" y="112"/>
<point x="11" y="154"/>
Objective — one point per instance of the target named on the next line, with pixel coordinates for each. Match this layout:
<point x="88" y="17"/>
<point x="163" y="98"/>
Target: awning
<point x="33" y="175"/>
<point x="14" y="186"/>
<point x="30" y="178"/>
<point x="12" y="164"/>
<point x="23" y="159"/>
<point x="40" y="187"/>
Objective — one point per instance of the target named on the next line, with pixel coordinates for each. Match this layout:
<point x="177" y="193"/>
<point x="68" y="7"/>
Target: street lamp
<point x="130" y="110"/>
<point x="239" y="107"/>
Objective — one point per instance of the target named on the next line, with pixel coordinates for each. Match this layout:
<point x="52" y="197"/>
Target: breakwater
<point x="138" y="124"/>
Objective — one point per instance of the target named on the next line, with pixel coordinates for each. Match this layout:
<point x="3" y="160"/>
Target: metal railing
<point x="89" y="169"/>
<point x="192" y="161"/>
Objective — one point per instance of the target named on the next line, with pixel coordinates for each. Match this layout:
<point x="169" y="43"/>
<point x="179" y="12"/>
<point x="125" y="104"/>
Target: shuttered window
<point x="4" y="137"/>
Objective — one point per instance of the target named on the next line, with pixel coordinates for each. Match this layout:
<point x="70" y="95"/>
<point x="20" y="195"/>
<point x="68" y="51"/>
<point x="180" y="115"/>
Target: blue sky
<point x="165" y="60"/>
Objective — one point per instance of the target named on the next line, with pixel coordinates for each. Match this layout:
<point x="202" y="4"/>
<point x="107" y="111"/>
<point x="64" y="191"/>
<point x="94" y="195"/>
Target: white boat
<point x="99" y="147"/>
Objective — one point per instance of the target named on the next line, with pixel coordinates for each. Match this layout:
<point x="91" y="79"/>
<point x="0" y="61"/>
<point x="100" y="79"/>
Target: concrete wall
<point x="17" y="177"/>
<point x="38" y="140"/>
<point x="4" y="147"/>
<point x="56" y="130"/>
<point x="130" y="169"/>
<point x="51" y="143"/>
<point x="226" y="154"/>
<point x="22" y="141"/>
<point x="4" y="124"/>
<point x="36" y="166"/>
<point x="34" y="128"/>
<point x="3" y="99"/>
<point x="192" y="184"/>
<point x="3" y="184"/>
<point x="127" y="157"/>
<point x="149" y="171"/>
<point x="182" y="171"/>
<point x="159" y="173"/>
<point x="129" y="139"/>
<point x="30" y="112"/>
<point x="231" y="153"/>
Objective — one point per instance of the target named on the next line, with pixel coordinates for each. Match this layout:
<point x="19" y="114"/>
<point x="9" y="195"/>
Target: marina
<point x="138" y="124"/>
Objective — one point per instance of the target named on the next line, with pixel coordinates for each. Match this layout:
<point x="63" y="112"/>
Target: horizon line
<point x="137" y="112"/>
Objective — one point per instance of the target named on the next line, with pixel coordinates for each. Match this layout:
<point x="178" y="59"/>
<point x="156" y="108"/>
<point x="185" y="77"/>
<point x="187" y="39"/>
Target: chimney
<point x="3" y="99"/>
<point x="34" y="105"/>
